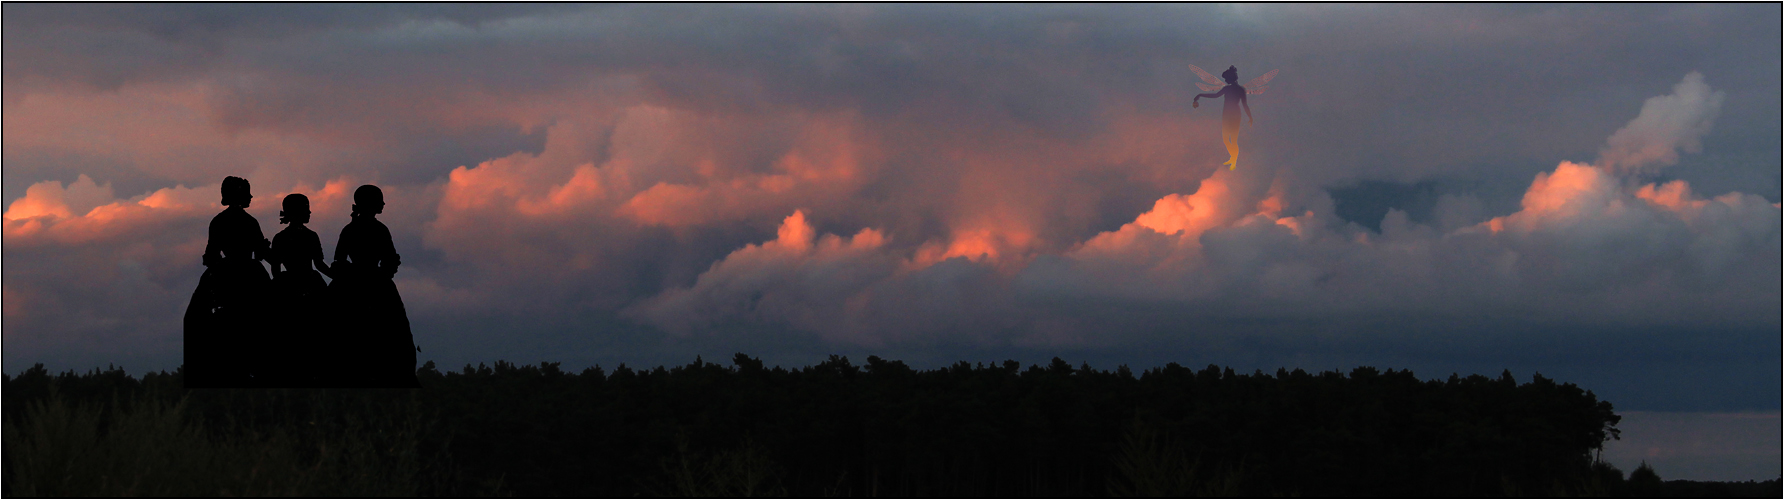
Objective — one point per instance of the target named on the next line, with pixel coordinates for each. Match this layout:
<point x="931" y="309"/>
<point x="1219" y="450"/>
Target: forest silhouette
<point x="834" y="429"/>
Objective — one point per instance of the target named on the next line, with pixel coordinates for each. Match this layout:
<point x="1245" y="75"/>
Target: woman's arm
<point x="212" y="254"/>
<point x="344" y="246"/>
<point x="316" y="258"/>
<point x="387" y="248"/>
<point x="272" y="259"/>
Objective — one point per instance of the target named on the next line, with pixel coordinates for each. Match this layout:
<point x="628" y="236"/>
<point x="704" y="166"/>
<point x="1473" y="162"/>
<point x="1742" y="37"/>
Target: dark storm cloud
<point x="617" y="181"/>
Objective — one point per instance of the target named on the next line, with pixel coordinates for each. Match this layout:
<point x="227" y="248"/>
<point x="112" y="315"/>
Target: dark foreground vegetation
<point x="834" y="429"/>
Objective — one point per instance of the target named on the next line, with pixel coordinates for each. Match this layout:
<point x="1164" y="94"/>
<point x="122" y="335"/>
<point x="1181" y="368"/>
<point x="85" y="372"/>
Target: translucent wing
<point x="1216" y="82"/>
<point x="1260" y="84"/>
<point x="1208" y="88"/>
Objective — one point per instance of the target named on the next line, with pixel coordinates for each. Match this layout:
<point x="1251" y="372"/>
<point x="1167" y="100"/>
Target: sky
<point x="1590" y="192"/>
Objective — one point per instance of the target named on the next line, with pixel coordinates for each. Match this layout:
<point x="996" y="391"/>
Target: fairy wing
<point x="1260" y="84"/>
<point x="1212" y="84"/>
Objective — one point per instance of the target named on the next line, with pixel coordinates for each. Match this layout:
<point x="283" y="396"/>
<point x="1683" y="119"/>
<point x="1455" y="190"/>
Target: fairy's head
<point x="297" y="209"/>
<point x="1231" y="75"/>
<point x="235" y="192"/>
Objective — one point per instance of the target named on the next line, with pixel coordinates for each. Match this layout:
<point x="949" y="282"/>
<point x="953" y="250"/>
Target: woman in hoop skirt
<point x="222" y="323"/>
<point x="296" y="351"/>
<point x="378" y="348"/>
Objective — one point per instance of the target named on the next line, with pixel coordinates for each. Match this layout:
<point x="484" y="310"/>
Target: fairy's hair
<point x="1231" y="74"/>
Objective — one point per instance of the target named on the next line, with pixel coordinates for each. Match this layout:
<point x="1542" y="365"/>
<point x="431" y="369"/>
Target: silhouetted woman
<point x="379" y="344"/>
<point x="1235" y="98"/>
<point x="222" y="321"/>
<point x="295" y="351"/>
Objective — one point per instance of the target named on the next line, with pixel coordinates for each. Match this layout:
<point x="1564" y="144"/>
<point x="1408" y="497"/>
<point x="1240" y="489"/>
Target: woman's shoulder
<point x="295" y="232"/>
<point x="364" y="225"/>
<point x="373" y="224"/>
<point x="233" y="216"/>
<point x="360" y="224"/>
<point x="229" y="213"/>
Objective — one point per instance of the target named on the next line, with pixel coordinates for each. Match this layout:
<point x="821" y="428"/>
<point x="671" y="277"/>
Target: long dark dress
<point x="1229" y="128"/>
<point x="296" y="249"/>
<point x="378" y="342"/>
<point x="296" y="352"/>
<point x="221" y="334"/>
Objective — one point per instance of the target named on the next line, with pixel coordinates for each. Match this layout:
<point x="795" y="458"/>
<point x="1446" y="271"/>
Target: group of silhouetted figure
<point x="290" y="328"/>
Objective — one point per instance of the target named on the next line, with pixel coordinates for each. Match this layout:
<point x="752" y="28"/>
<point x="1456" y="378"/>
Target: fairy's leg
<point x="1230" y="135"/>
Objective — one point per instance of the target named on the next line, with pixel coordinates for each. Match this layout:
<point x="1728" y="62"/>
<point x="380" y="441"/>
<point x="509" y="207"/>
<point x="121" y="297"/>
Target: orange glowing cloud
<point x="1214" y="204"/>
<point x="824" y="163"/>
<point x="813" y="281"/>
<point x="38" y="203"/>
<point x="795" y="234"/>
<point x="1181" y="217"/>
<point x="558" y="179"/>
<point x="50" y="198"/>
<point x="331" y="202"/>
<point x="585" y="186"/>
<point x="685" y="205"/>
<point x="977" y="245"/>
<point x="1571" y="191"/>
<point x="84" y="212"/>
<point x="483" y="186"/>
<point x="1272" y="206"/>
<point x="665" y="167"/>
<point x="1575" y="193"/>
<point x="1675" y="196"/>
<point x="796" y="238"/>
<point x="1556" y="192"/>
<point x="1015" y="190"/>
<point x="1162" y="252"/>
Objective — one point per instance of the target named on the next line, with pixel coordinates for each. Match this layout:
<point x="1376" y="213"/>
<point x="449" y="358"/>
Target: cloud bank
<point x="1586" y="245"/>
<point x="596" y="182"/>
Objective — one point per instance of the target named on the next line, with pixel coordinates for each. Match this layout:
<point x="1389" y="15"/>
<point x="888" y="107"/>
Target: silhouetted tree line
<point x="879" y="429"/>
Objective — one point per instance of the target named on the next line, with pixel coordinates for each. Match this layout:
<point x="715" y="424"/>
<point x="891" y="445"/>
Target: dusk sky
<point x="1587" y="191"/>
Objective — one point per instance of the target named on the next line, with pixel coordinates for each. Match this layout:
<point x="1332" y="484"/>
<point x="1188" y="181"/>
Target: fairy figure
<point x="1235" y="99"/>
<point x="380" y="349"/>
<point x="295" y="346"/>
<point x="221" y="330"/>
